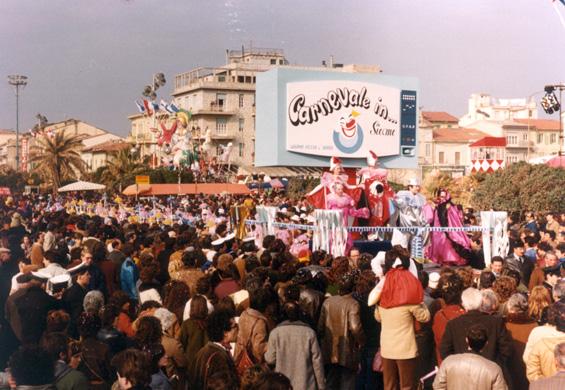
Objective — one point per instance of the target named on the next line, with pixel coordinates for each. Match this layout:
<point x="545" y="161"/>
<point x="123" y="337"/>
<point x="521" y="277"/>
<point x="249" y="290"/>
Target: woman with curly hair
<point x="467" y="275"/>
<point x="538" y="303"/>
<point x="149" y="332"/>
<point x="175" y="296"/>
<point x="340" y="266"/>
<point x="504" y="287"/>
<point x="450" y="287"/>
<point x="121" y="300"/>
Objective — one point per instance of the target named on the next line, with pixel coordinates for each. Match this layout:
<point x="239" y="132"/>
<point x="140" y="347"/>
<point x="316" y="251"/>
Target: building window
<point x="273" y="61"/>
<point x="221" y="126"/>
<point x="512" y="139"/>
<point x="552" y="138"/>
<point x="241" y="147"/>
<point x="525" y="137"/>
<point x="428" y="150"/>
<point x="240" y="100"/>
<point x="221" y="78"/>
<point x="457" y="158"/>
<point x="540" y="138"/>
<point x="221" y="99"/>
<point x="441" y="157"/>
<point x="241" y="123"/>
<point x="281" y="62"/>
<point x="240" y="79"/>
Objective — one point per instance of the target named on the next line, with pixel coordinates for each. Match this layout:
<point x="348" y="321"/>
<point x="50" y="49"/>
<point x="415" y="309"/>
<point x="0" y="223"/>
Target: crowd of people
<point x="104" y="298"/>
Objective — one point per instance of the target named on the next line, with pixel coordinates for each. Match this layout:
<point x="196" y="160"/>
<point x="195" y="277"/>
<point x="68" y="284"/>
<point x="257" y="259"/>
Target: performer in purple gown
<point x="446" y="248"/>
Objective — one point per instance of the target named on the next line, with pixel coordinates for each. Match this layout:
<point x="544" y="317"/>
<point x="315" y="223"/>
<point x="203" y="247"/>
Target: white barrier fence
<point x="329" y="231"/>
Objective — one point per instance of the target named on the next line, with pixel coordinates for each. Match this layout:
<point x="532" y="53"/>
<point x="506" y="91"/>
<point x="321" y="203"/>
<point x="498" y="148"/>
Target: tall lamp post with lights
<point x="550" y="104"/>
<point x="17" y="81"/>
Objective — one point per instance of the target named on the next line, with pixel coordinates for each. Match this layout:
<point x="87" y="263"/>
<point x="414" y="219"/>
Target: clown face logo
<point x="349" y="137"/>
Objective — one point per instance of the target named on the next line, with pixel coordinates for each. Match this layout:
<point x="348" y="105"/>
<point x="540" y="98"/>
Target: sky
<point x="89" y="60"/>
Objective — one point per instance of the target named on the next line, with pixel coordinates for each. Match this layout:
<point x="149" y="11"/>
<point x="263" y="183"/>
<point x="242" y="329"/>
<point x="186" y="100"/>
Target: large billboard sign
<point x="342" y="118"/>
<point x="304" y="116"/>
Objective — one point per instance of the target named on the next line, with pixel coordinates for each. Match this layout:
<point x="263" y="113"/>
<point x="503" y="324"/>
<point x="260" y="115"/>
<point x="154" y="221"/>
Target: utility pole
<point x="17" y="81"/>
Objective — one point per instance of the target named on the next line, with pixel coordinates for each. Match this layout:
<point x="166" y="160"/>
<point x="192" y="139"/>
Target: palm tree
<point x="57" y="158"/>
<point x="120" y="168"/>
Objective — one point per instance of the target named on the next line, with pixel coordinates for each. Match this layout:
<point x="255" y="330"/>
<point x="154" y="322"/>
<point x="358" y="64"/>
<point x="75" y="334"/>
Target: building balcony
<point x="214" y="109"/>
<point x="520" y="145"/>
<point x="216" y="136"/>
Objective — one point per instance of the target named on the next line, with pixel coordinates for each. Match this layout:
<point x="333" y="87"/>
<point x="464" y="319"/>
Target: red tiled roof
<point x="457" y="135"/>
<point x="490" y="141"/>
<point x="439" y="116"/>
<point x="108" y="146"/>
<point x="540" y="124"/>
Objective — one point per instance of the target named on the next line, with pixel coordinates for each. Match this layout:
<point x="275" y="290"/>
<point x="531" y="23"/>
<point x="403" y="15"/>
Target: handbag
<point x="244" y="360"/>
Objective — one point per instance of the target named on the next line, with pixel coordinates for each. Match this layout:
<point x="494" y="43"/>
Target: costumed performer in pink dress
<point x="446" y="248"/>
<point x="338" y="199"/>
<point x="318" y="197"/>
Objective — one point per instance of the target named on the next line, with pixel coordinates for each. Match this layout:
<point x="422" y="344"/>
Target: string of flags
<point x="149" y="107"/>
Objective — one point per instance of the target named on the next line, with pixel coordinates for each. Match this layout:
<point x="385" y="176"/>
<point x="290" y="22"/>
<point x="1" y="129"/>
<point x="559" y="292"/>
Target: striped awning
<point x="280" y="171"/>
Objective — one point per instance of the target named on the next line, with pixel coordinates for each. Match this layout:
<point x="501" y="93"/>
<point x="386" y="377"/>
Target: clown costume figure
<point x="377" y="191"/>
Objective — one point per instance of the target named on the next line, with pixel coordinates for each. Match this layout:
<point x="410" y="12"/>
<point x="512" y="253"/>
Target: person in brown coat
<point x="215" y="357"/>
<point x="341" y="335"/>
<point x="253" y="327"/>
<point x="519" y="325"/>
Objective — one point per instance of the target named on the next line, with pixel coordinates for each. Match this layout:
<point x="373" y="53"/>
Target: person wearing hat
<point x="53" y="260"/>
<point x="372" y="170"/>
<point x="552" y="275"/>
<point x="27" y="308"/>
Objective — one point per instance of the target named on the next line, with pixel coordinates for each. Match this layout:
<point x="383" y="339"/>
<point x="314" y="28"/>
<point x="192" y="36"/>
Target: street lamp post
<point x="17" y="81"/>
<point x="550" y="104"/>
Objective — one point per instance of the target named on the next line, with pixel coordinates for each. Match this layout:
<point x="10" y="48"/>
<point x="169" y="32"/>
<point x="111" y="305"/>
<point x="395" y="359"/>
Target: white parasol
<point x="82" y="186"/>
